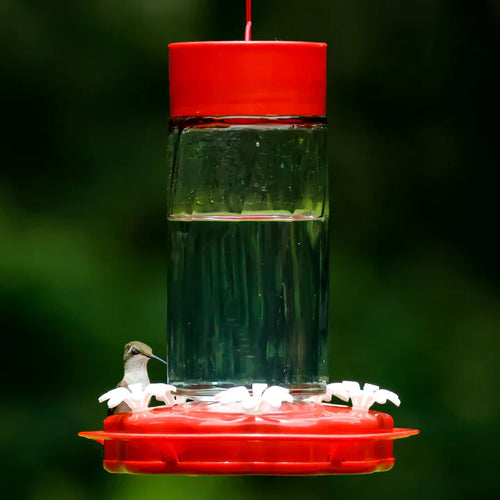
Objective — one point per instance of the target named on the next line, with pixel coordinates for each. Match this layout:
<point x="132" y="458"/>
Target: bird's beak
<point x="152" y="356"/>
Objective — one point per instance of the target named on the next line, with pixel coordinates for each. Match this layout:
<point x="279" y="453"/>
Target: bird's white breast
<point x="136" y="371"/>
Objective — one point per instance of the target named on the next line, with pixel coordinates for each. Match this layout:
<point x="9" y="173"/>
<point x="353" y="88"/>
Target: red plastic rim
<point x="300" y="439"/>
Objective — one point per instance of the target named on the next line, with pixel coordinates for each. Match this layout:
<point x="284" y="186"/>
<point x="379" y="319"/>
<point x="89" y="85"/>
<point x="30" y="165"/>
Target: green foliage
<point x="84" y="93"/>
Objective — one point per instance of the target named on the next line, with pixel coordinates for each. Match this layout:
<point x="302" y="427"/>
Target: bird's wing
<point x="122" y="407"/>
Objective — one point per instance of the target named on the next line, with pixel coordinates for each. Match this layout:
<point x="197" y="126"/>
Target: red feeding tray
<point x="298" y="439"/>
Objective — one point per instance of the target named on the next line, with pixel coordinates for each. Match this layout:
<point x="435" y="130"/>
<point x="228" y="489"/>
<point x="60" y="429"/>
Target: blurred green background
<point x="414" y="169"/>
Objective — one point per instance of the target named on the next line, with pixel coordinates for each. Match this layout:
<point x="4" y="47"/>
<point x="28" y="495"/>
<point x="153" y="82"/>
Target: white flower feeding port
<point x="260" y="401"/>
<point x="362" y="399"/>
<point x="138" y="399"/>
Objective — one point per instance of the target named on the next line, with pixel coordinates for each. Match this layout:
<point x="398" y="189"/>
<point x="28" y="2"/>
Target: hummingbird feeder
<point x="247" y="387"/>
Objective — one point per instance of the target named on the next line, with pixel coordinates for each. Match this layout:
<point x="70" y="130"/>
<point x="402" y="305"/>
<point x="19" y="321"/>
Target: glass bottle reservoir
<point x="247" y="252"/>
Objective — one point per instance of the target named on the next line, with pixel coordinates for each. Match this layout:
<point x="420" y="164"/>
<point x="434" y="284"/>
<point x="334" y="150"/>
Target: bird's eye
<point x="133" y="350"/>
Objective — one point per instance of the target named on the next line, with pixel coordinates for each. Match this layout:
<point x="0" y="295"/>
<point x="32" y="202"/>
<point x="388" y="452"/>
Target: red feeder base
<point x="297" y="439"/>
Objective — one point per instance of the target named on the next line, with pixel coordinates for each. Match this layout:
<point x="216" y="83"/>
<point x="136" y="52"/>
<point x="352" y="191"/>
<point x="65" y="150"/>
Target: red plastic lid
<point x="251" y="78"/>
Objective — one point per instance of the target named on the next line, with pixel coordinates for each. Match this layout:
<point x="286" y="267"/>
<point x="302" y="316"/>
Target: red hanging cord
<point x="248" y="26"/>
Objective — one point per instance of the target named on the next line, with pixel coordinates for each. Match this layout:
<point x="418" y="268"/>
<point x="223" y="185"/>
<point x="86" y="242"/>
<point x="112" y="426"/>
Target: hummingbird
<point x="135" y="367"/>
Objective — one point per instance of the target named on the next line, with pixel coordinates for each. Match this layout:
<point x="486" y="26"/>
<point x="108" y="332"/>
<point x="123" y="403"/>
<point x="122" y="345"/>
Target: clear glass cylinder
<point x="247" y="253"/>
